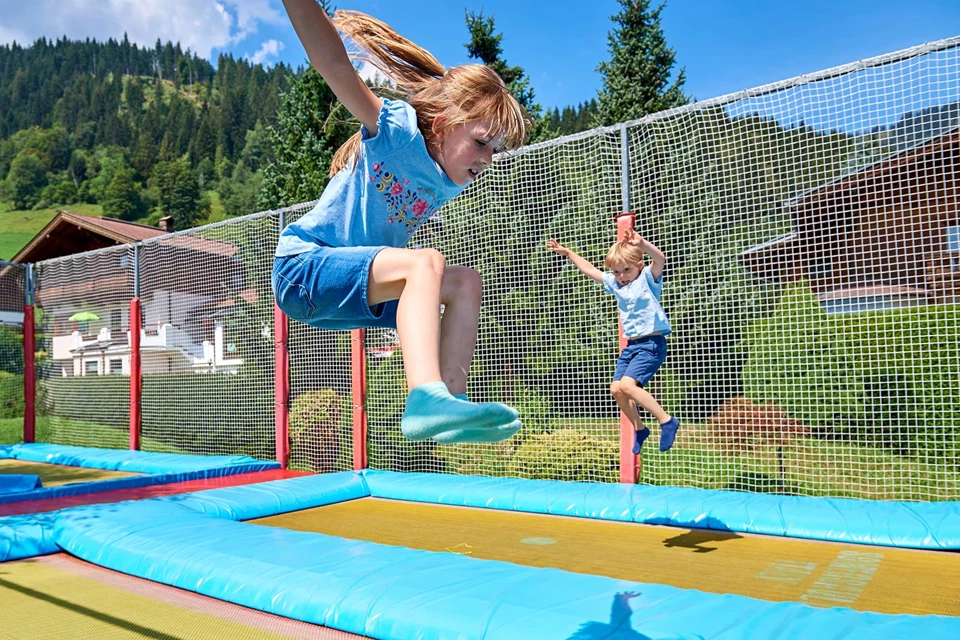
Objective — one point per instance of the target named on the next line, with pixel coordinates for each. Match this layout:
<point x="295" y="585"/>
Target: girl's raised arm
<point x="329" y="57"/>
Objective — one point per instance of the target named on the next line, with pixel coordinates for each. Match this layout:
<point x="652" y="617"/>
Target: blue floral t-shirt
<point x="395" y="187"/>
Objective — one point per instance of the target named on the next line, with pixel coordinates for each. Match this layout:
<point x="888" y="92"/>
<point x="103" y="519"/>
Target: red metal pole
<point x="358" y="383"/>
<point x="630" y="464"/>
<point x="136" y="374"/>
<point x="281" y="385"/>
<point x="29" y="376"/>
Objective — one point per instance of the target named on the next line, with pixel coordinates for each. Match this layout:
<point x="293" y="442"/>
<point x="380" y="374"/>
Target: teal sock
<point x="431" y="411"/>
<point x="478" y="435"/>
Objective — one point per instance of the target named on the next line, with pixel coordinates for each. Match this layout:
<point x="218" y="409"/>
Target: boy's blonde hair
<point x="466" y="93"/>
<point x="623" y="252"/>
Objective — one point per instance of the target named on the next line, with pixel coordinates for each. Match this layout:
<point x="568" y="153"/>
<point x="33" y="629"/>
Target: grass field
<point x="78" y="433"/>
<point x="699" y="459"/>
<point x="18" y="227"/>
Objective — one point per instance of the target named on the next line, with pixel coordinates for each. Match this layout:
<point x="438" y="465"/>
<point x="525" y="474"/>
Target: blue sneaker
<point x="642" y="435"/>
<point x="668" y="431"/>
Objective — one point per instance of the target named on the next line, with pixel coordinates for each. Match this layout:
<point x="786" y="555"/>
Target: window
<point x="953" y="246"/>
<point x="820" y="267"/>
<point x="116" y="317"/>
<point x="116" y="366"/>
<point x="91" y="367"/>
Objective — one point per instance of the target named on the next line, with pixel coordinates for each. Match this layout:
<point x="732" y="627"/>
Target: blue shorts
<point x="641" y="359"/>
<point x="327" y="288"/>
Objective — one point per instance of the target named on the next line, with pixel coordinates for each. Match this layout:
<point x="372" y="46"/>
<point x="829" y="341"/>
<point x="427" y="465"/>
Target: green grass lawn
<point x="703" y="458"/>
<point x="78" y="433"/>
<point x="17" y="228"/>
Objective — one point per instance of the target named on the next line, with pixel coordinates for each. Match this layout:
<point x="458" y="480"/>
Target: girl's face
<point x="625" y="273"/>
<point x="465" y="150"/>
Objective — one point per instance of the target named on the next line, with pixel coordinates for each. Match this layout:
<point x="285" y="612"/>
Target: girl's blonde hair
<point x="463" y="94"/>
<point x="623" y="252"/>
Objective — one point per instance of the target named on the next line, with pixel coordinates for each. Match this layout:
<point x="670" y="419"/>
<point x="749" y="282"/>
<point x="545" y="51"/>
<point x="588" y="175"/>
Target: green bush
<point x="219" y="414"/>
<point x="386" y="446"/>
<point x="11" y="395"/>
<point x="888" y="378"/>
<point x="11" y="350"/>
<point x="314" y="430"/>
<point x="103" y="400"/>
<point x="567" y="454"/>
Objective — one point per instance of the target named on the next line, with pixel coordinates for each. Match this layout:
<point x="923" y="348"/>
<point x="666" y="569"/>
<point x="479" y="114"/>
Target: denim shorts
<point x="641" y="359"/>
<point x="327" y="288"/>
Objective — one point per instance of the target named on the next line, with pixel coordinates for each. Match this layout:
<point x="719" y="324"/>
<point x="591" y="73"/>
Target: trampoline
<point x="58" y="596"/>
<point x="30" y="472"/>
<point x="885" y="580"/>
<point x="509" y="558"/>
<point x="55" y="475"/>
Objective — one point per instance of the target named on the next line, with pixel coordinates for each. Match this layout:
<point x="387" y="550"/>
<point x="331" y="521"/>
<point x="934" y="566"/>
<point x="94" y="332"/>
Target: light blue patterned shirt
<point x="639" y="304"/>
<point x="395" y="187"/>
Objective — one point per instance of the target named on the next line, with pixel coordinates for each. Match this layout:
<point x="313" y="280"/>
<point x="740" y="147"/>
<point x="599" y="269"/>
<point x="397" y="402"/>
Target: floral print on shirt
<point x="406" y="204"/>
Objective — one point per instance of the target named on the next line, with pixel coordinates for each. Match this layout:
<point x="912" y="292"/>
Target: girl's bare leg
<point x="415" y="277"/>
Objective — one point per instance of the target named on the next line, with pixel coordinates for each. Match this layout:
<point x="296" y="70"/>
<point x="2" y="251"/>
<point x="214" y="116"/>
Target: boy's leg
<point x="643" y="398"/>
<point x="629" y="409"/>
<point x="668" y="424"/>
<point x="415" y="278"/>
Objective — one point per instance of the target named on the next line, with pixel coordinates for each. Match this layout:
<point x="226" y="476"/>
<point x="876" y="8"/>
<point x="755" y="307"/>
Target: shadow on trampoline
<point x="619" y="626"/>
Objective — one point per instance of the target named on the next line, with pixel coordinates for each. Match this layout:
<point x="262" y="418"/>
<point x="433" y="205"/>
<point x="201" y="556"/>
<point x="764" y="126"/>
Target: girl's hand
<point x="556" y="247"/>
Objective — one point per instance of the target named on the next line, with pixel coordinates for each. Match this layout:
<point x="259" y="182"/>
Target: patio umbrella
<point x="83" y="316"/>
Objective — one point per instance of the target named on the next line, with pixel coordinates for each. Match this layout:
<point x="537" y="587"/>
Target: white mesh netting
<point x="812" y="237"/>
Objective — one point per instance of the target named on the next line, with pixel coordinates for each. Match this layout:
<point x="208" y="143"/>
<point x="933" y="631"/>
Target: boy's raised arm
<point x="657" y="258"/>
<point x="584" y="265"/>
<point x="329" y="57"/>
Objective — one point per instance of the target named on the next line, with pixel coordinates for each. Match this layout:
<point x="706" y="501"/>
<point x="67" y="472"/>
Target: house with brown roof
<point x="883" y="237"/>
<point x="188" y="285"/>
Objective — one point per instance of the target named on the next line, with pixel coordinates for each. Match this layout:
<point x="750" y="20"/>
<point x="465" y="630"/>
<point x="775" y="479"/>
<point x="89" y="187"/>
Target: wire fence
<point x="812" y="235"/>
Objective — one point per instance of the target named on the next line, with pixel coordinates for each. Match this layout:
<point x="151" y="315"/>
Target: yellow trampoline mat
<point x="821" y="574"/>
<point x="62" y="597"/>
<point x="52" y="475"/>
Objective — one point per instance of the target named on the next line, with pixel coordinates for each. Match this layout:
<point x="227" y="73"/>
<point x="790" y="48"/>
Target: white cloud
<point x="268" y="49"/>
<point x="200" y="25"/>
<point x="369" y="72"/>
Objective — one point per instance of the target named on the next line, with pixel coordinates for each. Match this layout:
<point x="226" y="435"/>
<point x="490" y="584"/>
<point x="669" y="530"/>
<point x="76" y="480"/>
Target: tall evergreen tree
<point x="122" y="197"/>
<point x="304" y="140"/>
<point x="637" y="78"/>
<point x="485" y="46"/>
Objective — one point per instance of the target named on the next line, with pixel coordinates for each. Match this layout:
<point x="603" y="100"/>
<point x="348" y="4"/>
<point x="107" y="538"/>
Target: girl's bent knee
<point x="431" y="259"/>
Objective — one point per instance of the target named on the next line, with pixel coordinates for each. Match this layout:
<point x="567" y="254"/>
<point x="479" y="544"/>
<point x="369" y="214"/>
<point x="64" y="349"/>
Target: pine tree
<point x="304" y="139"/>
<point x="485" y="46"/>
<point x="122" y="197"/>
<point x="636" y="79"/>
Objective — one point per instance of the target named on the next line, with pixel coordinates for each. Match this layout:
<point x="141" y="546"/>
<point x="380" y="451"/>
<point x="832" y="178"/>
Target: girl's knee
<point x="470" y="281"/>
<point x="462" y="284"/>
<point x="430" y="259"/>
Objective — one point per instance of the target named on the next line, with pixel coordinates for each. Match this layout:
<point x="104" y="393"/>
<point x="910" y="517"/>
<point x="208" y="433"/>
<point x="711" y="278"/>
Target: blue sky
<point x="724" y="46"/>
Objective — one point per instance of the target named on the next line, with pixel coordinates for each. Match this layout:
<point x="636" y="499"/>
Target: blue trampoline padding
<point x="131" y="482"/>
<point x="157" y="468"/>
<point x="27" y="536"/>
<point x="126" y="460"/>
<point x="278" y="496"/>
<point x="18" y="482"/>
<point x="931" y="525"/>
<point x="394" y="592"/>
